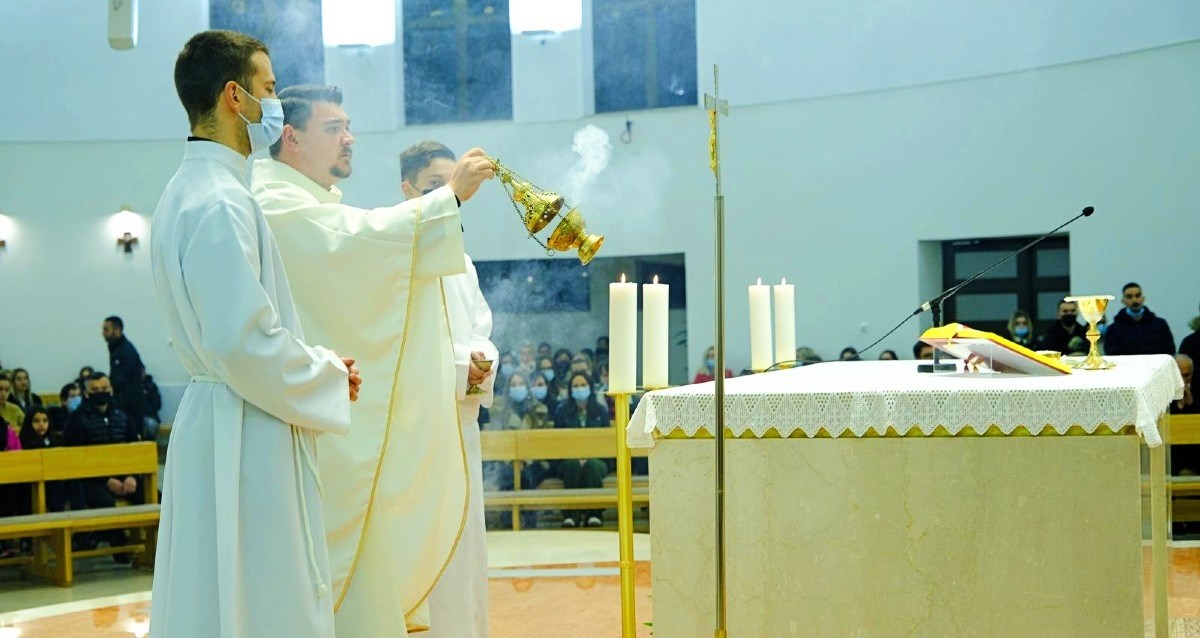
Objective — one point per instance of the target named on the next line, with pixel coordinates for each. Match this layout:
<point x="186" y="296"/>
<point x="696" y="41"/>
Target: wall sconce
<point x="127" y="224"/>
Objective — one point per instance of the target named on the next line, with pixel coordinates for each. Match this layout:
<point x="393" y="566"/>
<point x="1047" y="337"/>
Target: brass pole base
<point x="625" y="516"/>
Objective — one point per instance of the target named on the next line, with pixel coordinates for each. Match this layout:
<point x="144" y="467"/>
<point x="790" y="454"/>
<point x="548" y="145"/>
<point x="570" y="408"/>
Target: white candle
<point x="622" y="336"/>
<point x="785" y="321"/>
<point x="655" y="298"/>
<point x="760" y="327"/>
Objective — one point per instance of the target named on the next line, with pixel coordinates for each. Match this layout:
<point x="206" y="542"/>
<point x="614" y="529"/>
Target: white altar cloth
<point x="860" y="397"/>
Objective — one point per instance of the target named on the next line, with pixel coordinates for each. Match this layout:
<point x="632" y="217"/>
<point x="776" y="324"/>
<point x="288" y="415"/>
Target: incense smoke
<point x="593" y="150"/>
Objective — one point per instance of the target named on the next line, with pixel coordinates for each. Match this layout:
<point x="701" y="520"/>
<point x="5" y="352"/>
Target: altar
<point x="864" y="499"/>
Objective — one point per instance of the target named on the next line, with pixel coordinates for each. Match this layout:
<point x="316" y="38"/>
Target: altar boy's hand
<point x="355" y="377"/>
<point x="475" y="376"/>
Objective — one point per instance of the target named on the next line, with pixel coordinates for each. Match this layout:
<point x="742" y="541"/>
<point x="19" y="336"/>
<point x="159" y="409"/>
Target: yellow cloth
<point x="366" y="284"/>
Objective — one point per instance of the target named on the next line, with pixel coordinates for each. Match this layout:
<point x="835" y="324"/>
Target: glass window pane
<point x="457" y="61"/>
<point x="619" y="53"/>
<point x="675" y="35"/>
<point x="984" y="307"/>
<point x="966" y="264"/>
<point x="489" y="47"/>
<point x="1053" y="262"/>
<point x="1047" y="304"/>
<point x="430" y="75"/>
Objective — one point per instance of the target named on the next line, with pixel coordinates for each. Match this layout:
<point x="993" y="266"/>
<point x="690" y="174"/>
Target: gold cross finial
<point x="714" y="105"/>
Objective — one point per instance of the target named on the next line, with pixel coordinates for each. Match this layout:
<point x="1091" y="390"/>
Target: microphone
<point x="935" y="304"/>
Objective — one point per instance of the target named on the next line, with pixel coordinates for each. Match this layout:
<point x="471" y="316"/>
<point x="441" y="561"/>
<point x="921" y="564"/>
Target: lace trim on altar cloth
<point x="829" y="397"/>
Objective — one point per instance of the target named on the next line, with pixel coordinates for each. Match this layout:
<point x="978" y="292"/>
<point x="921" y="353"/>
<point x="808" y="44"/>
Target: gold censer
<point x="537" y="208"/>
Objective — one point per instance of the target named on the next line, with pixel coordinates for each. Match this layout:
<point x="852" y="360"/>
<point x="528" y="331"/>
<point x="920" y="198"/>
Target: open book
<point x="991" y="350"/>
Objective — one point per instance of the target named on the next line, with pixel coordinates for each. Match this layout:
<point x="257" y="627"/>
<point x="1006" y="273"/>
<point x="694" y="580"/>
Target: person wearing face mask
<point x="556" y="389"/>
<point x="1020" y="328"/>
<point x="100" y="422"/>
<point x="392" y="526"/>
<point x="1058" y="335"/>
<point x="582" y="410"/>
<point x="1136" y="330"/>
<point x="518" y="409"/>
<point x="458" y="603"/>
<point x="562" y="362"/>
<point x="705" y="372"/>
<point x="242" y="549"/>
<point x="539" y="390"/>
<point x="69" y="400"/>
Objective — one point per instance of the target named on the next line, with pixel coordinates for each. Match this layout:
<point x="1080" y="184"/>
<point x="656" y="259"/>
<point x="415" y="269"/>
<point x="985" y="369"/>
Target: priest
<point x="368" y="281"/>
<point x="240" y="543"/>
<point x="458" y="606"/>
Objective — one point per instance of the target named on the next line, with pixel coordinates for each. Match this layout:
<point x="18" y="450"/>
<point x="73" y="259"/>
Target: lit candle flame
<point x="656" y="279"/>
<point x="622" y="277"/>
<point x="783" y="282"/>
<point x="760" y="281"/>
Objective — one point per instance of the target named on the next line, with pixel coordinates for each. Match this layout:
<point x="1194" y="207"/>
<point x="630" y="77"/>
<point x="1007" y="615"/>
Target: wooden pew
<point x="24" y="466"/>
<point x="54" y="530"/>
<point x="522" y="446"/>
<point x="1185" y="490"/>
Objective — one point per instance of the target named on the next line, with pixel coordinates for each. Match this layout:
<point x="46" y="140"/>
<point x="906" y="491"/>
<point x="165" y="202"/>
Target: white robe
<point x="367" y="282"/>
<point x="458" y="606"/>
<point x="240" y="551"/>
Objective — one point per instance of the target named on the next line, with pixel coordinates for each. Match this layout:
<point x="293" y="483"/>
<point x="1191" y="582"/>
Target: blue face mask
<point x="539" y="392"/>
<point x="711" y="363"/>
<point x="1136" y="314"/>
<point x="1021" y="331"/>
<point x="581" y="394"/>
<point x="518" y="393"/>
<point x="73" y="403"/>
<point x="269" y="128"/>
<point x="548" y="373"/>
<point x="1103" y="328"/>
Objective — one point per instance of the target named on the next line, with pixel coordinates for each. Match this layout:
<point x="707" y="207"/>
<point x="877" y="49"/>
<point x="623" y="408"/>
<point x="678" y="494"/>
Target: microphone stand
<point x="935" y="304"/>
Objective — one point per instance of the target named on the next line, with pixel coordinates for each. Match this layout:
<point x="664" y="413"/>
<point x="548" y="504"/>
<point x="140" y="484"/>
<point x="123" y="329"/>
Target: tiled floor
<point x="543" y="583"/>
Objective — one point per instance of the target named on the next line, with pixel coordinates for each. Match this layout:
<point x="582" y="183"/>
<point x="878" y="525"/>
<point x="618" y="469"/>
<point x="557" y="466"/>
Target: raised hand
<point x="469" y="173"/>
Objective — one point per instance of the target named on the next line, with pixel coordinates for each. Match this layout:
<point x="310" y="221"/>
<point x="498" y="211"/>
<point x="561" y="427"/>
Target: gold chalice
<point x="537" y="208"/>
<point x="486" y="366"/>
<point x="1092" y="308"/>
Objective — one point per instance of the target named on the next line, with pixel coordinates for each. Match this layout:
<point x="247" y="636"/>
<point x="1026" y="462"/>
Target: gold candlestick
<point x="1092" y="308"/>
<point x="625" y="515"/>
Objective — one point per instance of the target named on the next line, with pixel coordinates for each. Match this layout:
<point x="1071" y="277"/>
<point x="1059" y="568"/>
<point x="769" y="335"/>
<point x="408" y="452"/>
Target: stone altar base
<point x="1014" y="536"/>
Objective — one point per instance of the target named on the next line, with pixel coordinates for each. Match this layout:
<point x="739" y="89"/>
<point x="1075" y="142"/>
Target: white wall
<point x="70" y="86"/>
<point x="815" y="48"/>
<point x="834" y="193"/>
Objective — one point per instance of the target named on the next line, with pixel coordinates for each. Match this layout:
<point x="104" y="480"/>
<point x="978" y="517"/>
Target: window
<point x="644" y="53"/>
<point x="457" y="61"/>
<point x="535" y="285"/>
<point x="291" y="29"/>
<point x="1034" y="281"/>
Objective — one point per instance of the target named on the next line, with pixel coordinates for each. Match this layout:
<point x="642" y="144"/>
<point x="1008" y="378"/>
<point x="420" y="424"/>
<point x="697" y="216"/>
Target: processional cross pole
<point x="717" y="107"/>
